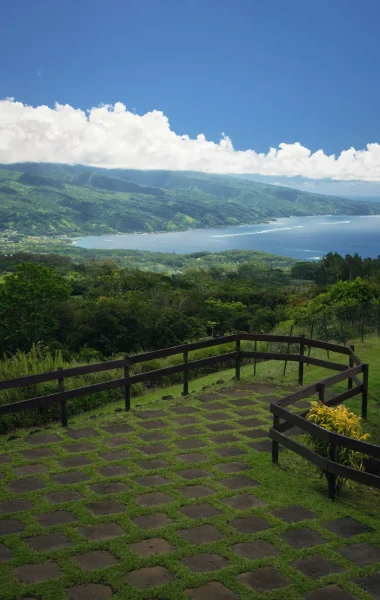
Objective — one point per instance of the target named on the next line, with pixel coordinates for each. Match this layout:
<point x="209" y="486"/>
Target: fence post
<point x="127" y="387"/>
<point x="185" y="374"/>
<point x="254" y="362"/>
<point x="300" y="364"/>
<point x="365" y="391"/>
<point x="331" y="477"/>
<point x="62" y="403"/>
<point x="321" y="392"/>
<point x="288" y="351"/>
<point x="350" y="366"/>
<point x="276" y="421"/>
<point x="237" y="362"/>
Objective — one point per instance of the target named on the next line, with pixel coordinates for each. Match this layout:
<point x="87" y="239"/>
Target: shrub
<point x="344" y="422"/>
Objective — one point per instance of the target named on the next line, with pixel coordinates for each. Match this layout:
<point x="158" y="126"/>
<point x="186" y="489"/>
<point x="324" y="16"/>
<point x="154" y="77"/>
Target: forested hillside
<point x="51" y="199"/>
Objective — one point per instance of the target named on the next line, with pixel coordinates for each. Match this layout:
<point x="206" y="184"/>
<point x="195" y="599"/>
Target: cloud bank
<point x="112" y="136"/>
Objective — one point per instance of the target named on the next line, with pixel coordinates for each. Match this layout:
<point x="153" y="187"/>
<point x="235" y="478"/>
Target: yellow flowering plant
<point x="344" y="422"/>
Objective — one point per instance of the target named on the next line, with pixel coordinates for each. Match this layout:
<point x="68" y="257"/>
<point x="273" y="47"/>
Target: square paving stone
<point x="11" y="506"/>
<point x="43" y="438"/>
<point x="263" y="579"/>
<point x="232" y="467"/>
<point x="153" y="436"/>
<point x="316" y="566"/>
<point x="211" y="591"/>
<point x="115" y="455"/>
<point x="5" y="459"/>
<point x="221" y="427"/>
<point x="106" y="507"/>
<point x="59" y="517"/>
<point x="5" y="553"/>
<point x="110" y="487"/>
<point x="201" y="563"/>
<point x="253" y="422"/>
<point x="184" y="410"/>
<point x="251" y="524"/>
<point x="214" y="406"/>
<point x="153" y="449"/>
<point x="149" y="577"/>
<point x="361" y="554"/>
<point x="243" y="501"/>
<point x="186" y="420"/>
<point x="152" y="521"/>
<point x="65" y="496"/>
<point x="84" y="432"/>
<point x="331" y="592"/>
<point x="38" y="572"/>
<point x="224" y="438"/>
<point x="191" y="444"/>
<point x="118" y="428"/>
<point x="97" y="559"/>
<point x="153" y="499"/>
<point x="74" y="461"/>
<point x="217" y="416"/>
<point x="238" y="393"/>
<point x="69" y="477"/>
<point x="152" y="480"/>
<point x="116" y="442"/>
<point x="21" y="486"/>
<point x="256" y="433"/>
<point x="186" y="431"/>
<point x="149" y="414"/>
<point x="194" y="474"/>
<point x="193" y="457"/>
<point x="30" y="470"/>
<point x="102" y="531"/>
<point x="200" y="511"/>
<point x="347" y="527"/>
<point x="52" y="541"/>
<point x="37" y="453"/>
<point x="241" y="402"/>
<point x="239" y="481"/>
<point x="89" y="591"/>
<point x="294" y="514"/>
<point x="158" y="424"/>
<point x="208" y="397"/>
<point x="371" y="584"/>
<point x="303" y="538"/>
<point x="229" y="451"/>
<point x="8" y="526"/>
<point x="246" y="412"/>
<point x="79" y="447"/>
<point x="154" y="463"/>
<point x="264" y="446"/>
<point x="113" y="471"/>
<point x="254" y="550"/>
<point x="196" y="491"/>
<point x="151" y="547"/>
<point x="203" y="534"/>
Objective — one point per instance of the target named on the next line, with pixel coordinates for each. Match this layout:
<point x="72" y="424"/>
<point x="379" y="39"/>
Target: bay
<point x="304" y="238"/>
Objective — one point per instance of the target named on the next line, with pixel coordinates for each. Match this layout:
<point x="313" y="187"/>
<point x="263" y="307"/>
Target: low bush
<point x="344" y="422"/>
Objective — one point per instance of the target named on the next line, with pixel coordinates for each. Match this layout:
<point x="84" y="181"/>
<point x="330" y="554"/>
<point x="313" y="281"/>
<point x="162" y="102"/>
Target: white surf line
<point x="334" y="223"/>
<point x="256" y="232"/>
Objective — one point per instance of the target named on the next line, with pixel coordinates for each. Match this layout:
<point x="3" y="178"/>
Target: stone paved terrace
<point x="174" y="503"/>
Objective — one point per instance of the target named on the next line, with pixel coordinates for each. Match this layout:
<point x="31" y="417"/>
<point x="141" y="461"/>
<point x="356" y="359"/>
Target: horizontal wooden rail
<point x="327" y="364"/>
<point x="327" y="346"/>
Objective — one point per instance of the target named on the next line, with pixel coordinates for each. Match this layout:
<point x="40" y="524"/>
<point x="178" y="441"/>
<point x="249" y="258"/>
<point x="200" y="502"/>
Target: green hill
<point x="52" y="199"/>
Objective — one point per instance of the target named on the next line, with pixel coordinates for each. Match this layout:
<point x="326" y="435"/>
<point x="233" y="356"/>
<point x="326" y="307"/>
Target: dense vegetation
<point x="49" y="199"/>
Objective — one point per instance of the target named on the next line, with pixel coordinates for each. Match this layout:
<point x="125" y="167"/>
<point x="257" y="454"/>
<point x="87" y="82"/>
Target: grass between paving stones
<point x="292" y="482"/>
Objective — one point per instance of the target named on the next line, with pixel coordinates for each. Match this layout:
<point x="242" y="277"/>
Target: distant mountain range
<point x="54" y="199"/>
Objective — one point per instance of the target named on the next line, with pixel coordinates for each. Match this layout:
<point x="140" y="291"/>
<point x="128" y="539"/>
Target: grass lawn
<point x="179" y="499"/>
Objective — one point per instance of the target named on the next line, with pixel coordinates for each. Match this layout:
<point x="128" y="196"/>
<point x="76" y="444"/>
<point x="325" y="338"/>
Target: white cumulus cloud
<point x="112" y="136"/>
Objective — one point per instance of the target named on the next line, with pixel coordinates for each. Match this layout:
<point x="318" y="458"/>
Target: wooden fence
<point x="283" y="419"/>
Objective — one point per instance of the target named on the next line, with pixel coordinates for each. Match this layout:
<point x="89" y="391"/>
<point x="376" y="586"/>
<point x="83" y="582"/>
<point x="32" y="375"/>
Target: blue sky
<point x="262" y="72"/>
